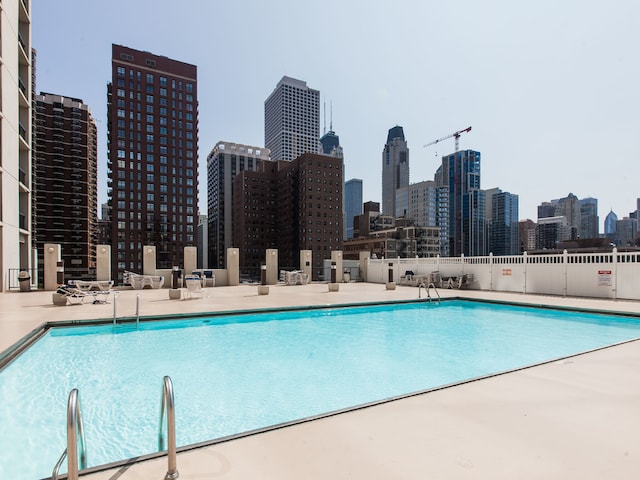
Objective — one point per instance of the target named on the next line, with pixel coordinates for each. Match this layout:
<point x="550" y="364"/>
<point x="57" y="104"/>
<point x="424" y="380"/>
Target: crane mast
<point x="455" y="135"/>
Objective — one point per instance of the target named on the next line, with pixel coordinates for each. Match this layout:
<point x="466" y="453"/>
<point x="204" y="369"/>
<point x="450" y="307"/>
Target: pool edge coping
<point x="14" y="351"/>
<point x="250" y="433"/>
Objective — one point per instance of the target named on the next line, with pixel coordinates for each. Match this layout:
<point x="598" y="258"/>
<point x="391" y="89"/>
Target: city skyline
<point x="548" y="89"/>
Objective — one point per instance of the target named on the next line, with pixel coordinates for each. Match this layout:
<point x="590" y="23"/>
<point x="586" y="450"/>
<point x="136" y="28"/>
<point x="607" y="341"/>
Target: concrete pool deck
<point x="576" y="418"/>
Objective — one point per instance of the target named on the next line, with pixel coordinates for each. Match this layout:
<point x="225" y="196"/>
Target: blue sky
<point x="550" y="88"/>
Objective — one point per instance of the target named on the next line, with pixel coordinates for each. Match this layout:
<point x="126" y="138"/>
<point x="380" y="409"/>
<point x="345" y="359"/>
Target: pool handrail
<point x="75" y="432"/>
<point x="167" y="405"/>
<point x="427" y="288"/>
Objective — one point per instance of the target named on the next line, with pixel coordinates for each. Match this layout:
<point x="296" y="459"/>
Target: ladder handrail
<point x="75" y="432"/>
<point x="436" y="290"/>
<point x="167" y="405"/>
<point x="427" y="287"/>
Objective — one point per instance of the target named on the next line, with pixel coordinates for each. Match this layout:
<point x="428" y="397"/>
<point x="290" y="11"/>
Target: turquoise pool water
<point x="233" y="374"/>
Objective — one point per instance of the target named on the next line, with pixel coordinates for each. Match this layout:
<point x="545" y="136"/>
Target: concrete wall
<point x="103" y="262"/>
<point x="52" y="255"/>
<point x="233" y="266"/>
<point x="336" y="257"/>
<point x="271" y="261"/>
<point x="190" y="259"/>
<point x="600" y="275"/>
<point x="149" y="261"/>
<point x="306" y="262"/>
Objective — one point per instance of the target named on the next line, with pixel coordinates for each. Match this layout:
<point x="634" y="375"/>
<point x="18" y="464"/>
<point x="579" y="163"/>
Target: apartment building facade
<point x="224" y="162"/>
<point x="290" y="206"/>
<point x="65" y="166"/>
<point x="153" y="157"/>
<point x="16" y="78"/>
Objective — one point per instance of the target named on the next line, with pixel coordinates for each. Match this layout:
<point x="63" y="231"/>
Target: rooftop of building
<point x="575" y="418"/>
<point x="395" y="132"/>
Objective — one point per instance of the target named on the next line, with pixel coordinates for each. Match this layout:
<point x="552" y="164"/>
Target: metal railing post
<point x="115" y="304"/>
<point x="75" y="434"/>
<point x="167" y="405"/>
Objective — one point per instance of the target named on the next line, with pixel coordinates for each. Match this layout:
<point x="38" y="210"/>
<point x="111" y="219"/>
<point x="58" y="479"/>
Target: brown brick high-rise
<point x="65" y="183"/>
<point x="153" y="164"/>
<point x="290" y="206"/>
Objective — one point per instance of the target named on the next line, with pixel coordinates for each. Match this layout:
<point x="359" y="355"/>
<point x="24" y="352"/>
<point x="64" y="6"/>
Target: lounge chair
<point x="409" y="278"/>
<point x="194" y="287"/>
<point x="209" y="278"/>
<point x="138" y="281"/>
<point x="294" y="277"/>
<point x="101" y="285"/>
<point x="75" y="296"/>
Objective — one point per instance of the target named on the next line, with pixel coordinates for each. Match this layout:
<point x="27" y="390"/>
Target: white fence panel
<point x="627" y="278"/>
<point x="508" y="273"/>
<point x="601" y="275"/>
<point x="591" y="275"/>
<point x="546" y="274"/>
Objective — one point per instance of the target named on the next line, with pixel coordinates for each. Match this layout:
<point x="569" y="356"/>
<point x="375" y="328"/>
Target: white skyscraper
<point x="292" y="120"/>
<point x="15" y="141"/>
<point x="419" y="201"/>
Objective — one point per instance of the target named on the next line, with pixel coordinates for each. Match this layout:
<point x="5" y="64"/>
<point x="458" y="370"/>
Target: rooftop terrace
<point x="575" y="418"/>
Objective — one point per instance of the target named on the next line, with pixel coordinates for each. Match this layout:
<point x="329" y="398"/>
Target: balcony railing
<point x="21" y="42"/>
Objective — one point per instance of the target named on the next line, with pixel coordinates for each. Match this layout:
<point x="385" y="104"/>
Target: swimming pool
<point x="233" y="374"/>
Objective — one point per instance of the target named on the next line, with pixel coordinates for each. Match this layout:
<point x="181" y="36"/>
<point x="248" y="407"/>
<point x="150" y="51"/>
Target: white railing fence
<point x="602" y="275"/>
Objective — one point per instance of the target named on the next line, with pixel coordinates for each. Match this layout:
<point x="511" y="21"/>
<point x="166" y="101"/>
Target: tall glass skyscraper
<point x="460" y="174"/>
<point x="589" y="220"/>
<point x="395" y="170"/>
<point x="610" y="224"/>
<point x="292" y="120"/>
<point x="502" y="221"/>
<point x="352" y="202"/>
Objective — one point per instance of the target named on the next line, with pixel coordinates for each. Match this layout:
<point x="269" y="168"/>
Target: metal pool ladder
<point x="427" y="289"/>
<point x="167" y="405"/>
<point x="75" y="432"/>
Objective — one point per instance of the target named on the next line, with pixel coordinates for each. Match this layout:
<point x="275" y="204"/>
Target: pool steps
<point x="115" y="310"/>
<point x="427" y="289"/>
<point x="75" y="434"/>
<point x="167" y="405"/>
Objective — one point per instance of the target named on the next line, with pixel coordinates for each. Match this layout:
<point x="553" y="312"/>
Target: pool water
<point x="233" y="374"/>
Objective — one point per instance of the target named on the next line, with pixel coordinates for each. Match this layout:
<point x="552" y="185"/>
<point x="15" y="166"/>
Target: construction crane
<point x="456" y="135"/>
